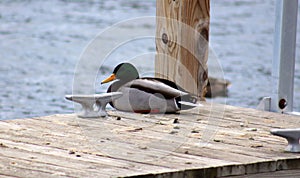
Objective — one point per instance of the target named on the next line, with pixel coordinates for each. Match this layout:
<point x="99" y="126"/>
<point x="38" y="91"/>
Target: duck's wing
<point x="151" y="85"/>
<point x="184" y="102"/>
<point x="171" y="84"/>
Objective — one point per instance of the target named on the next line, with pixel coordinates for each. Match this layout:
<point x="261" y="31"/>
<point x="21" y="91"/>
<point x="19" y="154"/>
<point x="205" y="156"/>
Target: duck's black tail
<point x="186" y="102"/>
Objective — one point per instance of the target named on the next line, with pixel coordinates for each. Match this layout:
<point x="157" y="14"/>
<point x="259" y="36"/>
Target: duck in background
<point x="217" y="87"/>
<point x="147" y="95"/>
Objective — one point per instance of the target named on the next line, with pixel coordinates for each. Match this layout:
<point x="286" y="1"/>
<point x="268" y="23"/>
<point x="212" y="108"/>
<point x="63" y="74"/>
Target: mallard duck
<point x="217" y="87"/>
<point x="147" y="95"/>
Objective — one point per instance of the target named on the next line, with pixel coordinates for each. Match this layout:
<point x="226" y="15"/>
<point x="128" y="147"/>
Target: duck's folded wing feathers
<point x="154" y="86"/>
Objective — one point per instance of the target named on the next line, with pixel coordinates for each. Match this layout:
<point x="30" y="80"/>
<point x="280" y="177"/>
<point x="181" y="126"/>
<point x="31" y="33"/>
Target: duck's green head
<point x="125" y="72"/>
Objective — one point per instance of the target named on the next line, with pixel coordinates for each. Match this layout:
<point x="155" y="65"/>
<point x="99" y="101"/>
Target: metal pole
<point x="284" y="55"/>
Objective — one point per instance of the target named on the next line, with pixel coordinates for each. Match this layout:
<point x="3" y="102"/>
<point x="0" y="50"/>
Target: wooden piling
<point x="182" y="35"/>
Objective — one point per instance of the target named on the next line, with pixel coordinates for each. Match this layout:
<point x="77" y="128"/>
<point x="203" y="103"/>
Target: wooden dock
<point x="194" y="143"/>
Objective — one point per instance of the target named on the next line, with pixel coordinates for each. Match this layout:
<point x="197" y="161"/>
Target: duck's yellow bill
<point x="109" y="79"/>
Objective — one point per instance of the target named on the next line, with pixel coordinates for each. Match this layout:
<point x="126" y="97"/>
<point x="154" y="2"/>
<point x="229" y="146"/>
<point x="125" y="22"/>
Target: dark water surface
<point x="41" y="43"/>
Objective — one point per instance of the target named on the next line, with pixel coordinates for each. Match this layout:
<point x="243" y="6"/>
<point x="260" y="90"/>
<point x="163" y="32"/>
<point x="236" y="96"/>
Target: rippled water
<point x="41" y="43"/>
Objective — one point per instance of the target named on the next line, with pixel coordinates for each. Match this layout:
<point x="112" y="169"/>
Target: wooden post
<point x="182" y="43"/>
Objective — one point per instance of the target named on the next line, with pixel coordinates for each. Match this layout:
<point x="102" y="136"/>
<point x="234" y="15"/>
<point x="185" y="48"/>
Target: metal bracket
<point x="264" y="104"/>
<point x="94" y="105"/>
<point x="284" y="55"/>
<point x="292" y="136"/>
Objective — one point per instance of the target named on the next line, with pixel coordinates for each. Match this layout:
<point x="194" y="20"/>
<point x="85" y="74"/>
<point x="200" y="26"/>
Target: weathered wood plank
<point x="128" y="144"/>
<point x="278" y="174"/>
<point x="60" y="154"/>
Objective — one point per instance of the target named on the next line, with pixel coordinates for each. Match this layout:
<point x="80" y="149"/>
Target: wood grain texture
<point x="182" y="36"/>
<point x="142" y="145"/>
<point x="277" y="174"/>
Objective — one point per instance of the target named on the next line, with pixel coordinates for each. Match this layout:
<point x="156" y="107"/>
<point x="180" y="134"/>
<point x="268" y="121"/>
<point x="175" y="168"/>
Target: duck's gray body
<point x="146" y="95"/>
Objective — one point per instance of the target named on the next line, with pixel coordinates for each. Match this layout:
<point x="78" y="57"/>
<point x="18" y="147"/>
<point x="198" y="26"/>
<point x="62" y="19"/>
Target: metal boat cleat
<point x="264" y="104"/>
<point x="94" y="105"/>
<point x="292" y="136"/>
